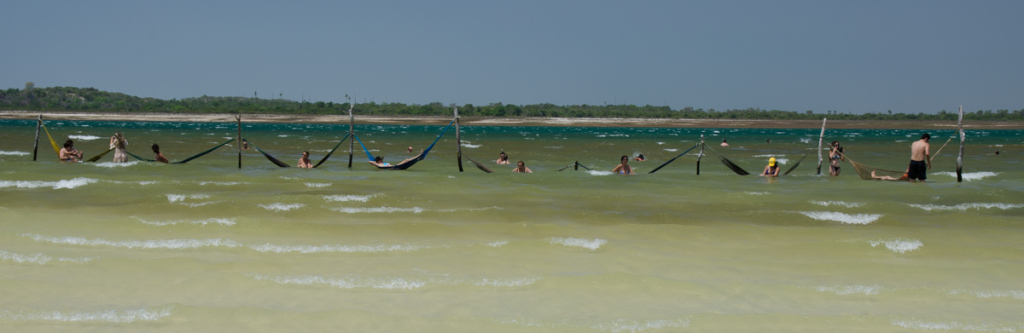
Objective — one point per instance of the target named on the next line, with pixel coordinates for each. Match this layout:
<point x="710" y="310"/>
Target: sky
<point x="906" y="56"/>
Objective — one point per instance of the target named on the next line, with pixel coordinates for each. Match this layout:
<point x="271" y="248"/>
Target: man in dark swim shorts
<point x="920" y="161"/>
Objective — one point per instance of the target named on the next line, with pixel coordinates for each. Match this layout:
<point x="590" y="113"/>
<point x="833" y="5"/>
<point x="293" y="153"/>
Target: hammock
<point x="406" y="164"/>
<point x="185" y="160"/>
<point x="673" y="159"/>
<point x="478" y="165"/>
<point x="575" y="166"/>
<point x="332" y="151"/>
<point x="56" y="148"/>
<point x="268" y="156"/>
<point x="98" y="157"/>
<point x="795" y="165"/>
<point x="732" y="166"/>
<point x="867" y="172"/>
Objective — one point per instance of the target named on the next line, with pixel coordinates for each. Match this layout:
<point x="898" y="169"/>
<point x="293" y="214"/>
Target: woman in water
<point x="159" y="157"/>
<point x="120" y="147"/>
<point x="521" y="167"/>
<point x="304" y="161"/>
<point x="639" y="158"/>
<point x="772" y="169"/>
<point x="503" y="158"/>
<point x="623" y="167"/>
<point x="835" y="154"/>
<point x="69" y="153"/>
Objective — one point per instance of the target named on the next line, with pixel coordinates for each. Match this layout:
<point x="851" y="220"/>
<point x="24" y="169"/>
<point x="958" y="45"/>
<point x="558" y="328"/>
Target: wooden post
<point x="701" y="153"/>
<point x="351" y="133"/>
<point x="35" y="149"/>
<point x="458" y="139"/>
<point x="960" y="157"/>
<point x="239" y="138"/>
<point x="820" y="138"/>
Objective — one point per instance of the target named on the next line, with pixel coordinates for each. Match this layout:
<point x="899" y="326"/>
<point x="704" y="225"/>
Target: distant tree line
<point x="91" y="99"/>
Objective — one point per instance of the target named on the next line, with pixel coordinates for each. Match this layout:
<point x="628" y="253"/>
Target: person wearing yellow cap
<point x="772" y="169"/>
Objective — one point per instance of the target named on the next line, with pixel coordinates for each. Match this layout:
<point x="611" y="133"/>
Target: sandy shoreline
<point x="508" y="121"/>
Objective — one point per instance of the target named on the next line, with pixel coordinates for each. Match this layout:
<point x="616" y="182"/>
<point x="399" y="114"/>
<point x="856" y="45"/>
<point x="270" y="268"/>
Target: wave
<point x="970" y="175"/>
<point x="335" y="248"/>
<point x="111" y="316"/>
<point x="391" y="283"/>
<point x="497" y="243"/>
<point x="84" y="137"/>
<point x="758" y="193"/>
<point x="671" y="150"/>
<point x="918" y="324"/>
<point x="60" y="184"/>
<point x="114" y="165"/>
<point x="38" y="258"/>
<point x="900" y="246"/>
<point x="842" y="217"/>
<point x="343" y="198"/>
<point x="382" y="209"/>
<point x="966" y="206"/>
<point x="281" y="207"/>
<point x="1015" y="294"/>
<point x="174" y="244"/>
<point x="227" y="222"/>
<point x="14" y="153"/>
<point x="624" y="325"/>
<point x="579" y="242"/>
<point x="181" y="197"/>
<point x="838" y="203"/>
<point x="600" y="173"/>
<point x="470" y="146"/>
<point x="852" y="289"/>
<point x="318" y="185"/>
<point x="769" y="155"/>
<point x="222" y="183"/>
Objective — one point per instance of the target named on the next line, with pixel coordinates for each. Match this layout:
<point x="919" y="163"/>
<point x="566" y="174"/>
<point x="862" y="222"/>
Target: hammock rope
<point x="272" y="159"/>
<point x="331" y="152"/>
<point x="478" y="165"/>
<point x="673" y="159"/>
<point x="98" y="157"/>
<point x="409" y="163"/>
<point x="795" y="165"/>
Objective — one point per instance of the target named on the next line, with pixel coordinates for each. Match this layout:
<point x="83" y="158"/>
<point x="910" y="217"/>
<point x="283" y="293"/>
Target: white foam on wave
<point x="508" y="282"/>
<point x="381" y="209"/>
<point x="770" y="155"/>
<point x="1015" y="294"/>
<point x="470" y="146"/>
<point x="345" y="198"/>
<point x="222" y="183"/>
<point x="838" y="203"/>
<point x="591" y="244"/>
<point x="274" y="248"/>
<point x="350" y="283"/>
<point x="84" y="137"/>
<point x="497" y="243"/>
<point x="449" y="210"/>
<point x="671" y="150"/>
<point x="843" y="217"/>
<point x="181" y="197"/>
<point x="174" y="244"/>
<point x="110" y="316"/>
<point x="60" y="184"/>
<point x="14" y="153"/>
<point x="970" y="175"/>
<point x="625" y="325"/>
<point x="38" y="258"/>
<point x="900" y="246"/>
<point x="782" y="160"/>
<point x="281" y="207"/>
<point x="227" y="222"/>
<point x="660" y="143"/>
<point x="318" y="185"/>
<point x="966" y="206"/>
<point x="914" y="323"/>
<point x="600" y="173"/>
<point x="851" y="289"/>
<point x="805" y="140"/>
<point x="114" y="165"/>
<point x="758" y="193"/>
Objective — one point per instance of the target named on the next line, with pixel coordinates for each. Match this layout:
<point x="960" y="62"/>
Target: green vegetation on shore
<point x="91" y="99"/>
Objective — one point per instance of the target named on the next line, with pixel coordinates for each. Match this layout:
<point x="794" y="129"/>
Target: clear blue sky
<point x="850" y="56"/>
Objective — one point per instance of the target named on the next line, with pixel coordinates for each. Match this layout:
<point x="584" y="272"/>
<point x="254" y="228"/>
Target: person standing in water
<point x="120" y="147"/>
<point x="503" y="158"/>
<point x="623" y="167"/>
<point x="521" y="168"/>
<point x="69" y="153"/>
<point x="772" y="169"/>
<point x="920" y="159"/>
<point x="159" y="156"/>
<point x="304" y="161"/>
<point x="724" y="144"/>
<point x="835" y="155"/>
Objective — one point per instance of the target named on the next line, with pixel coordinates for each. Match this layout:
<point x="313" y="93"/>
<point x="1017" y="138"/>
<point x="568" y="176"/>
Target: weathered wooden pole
<point x="458" y="139"/>
<point x="963" y="137"/>
<point x="820" y="139"/>
<point x="35" y="149"/>
<point x="351" y="133"/>
<point x="701" y="153"/>
<point x="239" y="138"/>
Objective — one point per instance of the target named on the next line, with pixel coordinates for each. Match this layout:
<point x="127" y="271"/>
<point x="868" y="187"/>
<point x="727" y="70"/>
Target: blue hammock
<point x="408" y="163"/>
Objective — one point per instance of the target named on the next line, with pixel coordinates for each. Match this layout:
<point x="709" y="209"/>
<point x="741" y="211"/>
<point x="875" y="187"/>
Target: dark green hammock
<point x="673" y="159"/>
<point x="187" y="159"/>
<point x="268" y="156"/>
<point x="407" y="164"/>
<point x="729" y="164"/>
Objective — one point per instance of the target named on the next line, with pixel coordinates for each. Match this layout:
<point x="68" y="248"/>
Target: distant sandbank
<point x="508" y="121"/>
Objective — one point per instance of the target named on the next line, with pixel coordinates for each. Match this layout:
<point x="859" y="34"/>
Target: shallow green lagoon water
<point x="206" y="246"/>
